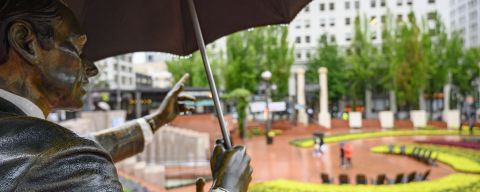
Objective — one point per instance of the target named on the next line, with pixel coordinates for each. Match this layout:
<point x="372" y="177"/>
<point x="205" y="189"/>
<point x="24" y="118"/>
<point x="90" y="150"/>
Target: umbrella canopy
<point x="123" y="26"/>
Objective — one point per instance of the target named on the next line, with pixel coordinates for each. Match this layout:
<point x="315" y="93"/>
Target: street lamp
<point x="266" y="76"/>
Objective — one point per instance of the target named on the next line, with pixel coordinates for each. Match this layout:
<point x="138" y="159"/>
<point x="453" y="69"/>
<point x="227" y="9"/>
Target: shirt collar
<point x="28" y="107"/>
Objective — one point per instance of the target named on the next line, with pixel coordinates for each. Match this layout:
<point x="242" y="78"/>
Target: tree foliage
<point x="249" y="53"/>
<point x="328" y="56"/>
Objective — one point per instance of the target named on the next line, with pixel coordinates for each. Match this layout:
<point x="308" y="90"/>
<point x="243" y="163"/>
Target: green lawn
<point x="309" y="142"/>
<point x="458" y="182"/>
<point x="462" y="160"/>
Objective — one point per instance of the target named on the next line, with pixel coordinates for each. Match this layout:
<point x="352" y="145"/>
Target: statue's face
<point x="64" y="69"/>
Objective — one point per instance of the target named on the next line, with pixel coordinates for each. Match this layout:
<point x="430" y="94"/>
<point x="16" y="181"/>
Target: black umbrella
<point x="173" y="26"/>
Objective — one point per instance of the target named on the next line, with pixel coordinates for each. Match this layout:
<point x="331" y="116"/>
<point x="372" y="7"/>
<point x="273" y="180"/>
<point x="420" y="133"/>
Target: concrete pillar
<point x="302" y="115"/>
<point x="324" y="116"/>
<point x="446" y="101"/>
<point x="393" y="102"/>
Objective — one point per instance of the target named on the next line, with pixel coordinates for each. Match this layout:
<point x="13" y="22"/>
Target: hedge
<point x="457" y="182"/>
<point x="463" y="160"/>
<point x="309" y="142"/>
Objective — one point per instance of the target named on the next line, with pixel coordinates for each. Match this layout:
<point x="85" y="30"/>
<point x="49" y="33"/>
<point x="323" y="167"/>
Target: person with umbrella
<point x="43" y="68"/>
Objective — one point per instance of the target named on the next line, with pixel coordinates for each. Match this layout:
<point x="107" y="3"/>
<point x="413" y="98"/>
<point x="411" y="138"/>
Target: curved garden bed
<point x="309" y="142"/>
<point x="462" y="160"/>
<point x="458" y="182"/>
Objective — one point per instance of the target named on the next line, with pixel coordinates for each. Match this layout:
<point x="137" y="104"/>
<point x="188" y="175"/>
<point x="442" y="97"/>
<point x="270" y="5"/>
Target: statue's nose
<point x="90" y="68"/>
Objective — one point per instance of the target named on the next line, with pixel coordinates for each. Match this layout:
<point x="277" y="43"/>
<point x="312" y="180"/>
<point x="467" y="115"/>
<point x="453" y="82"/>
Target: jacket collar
<point x="11" y="103"/>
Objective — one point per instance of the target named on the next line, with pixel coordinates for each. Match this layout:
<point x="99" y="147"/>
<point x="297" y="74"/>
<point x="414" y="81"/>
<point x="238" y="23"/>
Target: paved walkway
<point x="283" y="161"/>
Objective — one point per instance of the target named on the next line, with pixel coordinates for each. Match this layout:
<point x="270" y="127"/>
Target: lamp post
<point x="266" y="76"/>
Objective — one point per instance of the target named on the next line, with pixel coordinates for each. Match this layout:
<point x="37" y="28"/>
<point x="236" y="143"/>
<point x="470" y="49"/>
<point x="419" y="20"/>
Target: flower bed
<point x="309" y="142"/>
<point x="458" y="182"/>
<point x="463" y="160"/>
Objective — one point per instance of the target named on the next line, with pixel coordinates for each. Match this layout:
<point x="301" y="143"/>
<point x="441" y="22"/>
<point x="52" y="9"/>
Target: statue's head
<point x="46" y="40"/>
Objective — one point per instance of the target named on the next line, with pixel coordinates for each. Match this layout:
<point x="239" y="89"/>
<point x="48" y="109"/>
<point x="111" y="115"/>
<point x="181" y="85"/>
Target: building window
<point x="150" y="58"/>
<point x="357" y="4"/>
<point x="307" y="39"/>
<point x="410" y="2"/>
<point x="347" y="21"/>
<point x="299" y="55"/>
<point x="332" y="38"/>
<point x="308" y="55"/>
<point x="374" y="35"/>
<point x="298" y="40"/>
<point x="322" y="7"/>
<point x="399" y="2"/>
<point x="348" y="37"/>
<point x="431" y="1"/>
<point x="307" y="9"/>
<point x="373" y="20"/>
<point x="322" y="22"/>
<point x="115" y="67"/>
<point x="373" y="3"/>
<point x="383" y="3"/>
<point x="332" y="22"/>
<point x="347" y="5"/>
<point x="332" y="6"/>
<point x="307" y="24"/>
<point x="298" y="26"/>
<point x="399" y="17"/>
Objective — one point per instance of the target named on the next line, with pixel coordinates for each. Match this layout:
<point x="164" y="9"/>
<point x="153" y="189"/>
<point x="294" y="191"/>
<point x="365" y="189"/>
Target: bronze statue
<point x="42" y="68"/>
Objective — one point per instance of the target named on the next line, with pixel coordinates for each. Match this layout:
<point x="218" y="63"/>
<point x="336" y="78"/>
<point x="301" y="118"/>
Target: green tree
<point x="241" y="97"/>
<point x="411" y="70"/>
<point x="328" y="56"/>
<point x="193" y="65"/>
<point x="249" y="53"/>
<point x="363" y="64"/>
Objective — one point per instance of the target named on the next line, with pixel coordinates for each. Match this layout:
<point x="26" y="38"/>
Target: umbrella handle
<point x="208" y="70"/>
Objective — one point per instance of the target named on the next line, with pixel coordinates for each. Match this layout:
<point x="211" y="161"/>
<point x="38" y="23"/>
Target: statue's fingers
<point x="186" y="98"/>
<point x="200" y="184"/>
<point x="182" y="80"/>
<point x="218" y="150"/>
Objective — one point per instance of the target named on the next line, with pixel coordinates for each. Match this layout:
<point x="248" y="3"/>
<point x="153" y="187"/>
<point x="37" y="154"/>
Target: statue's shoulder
<point x="36" y="134"/>
<point x="42" y="153"/>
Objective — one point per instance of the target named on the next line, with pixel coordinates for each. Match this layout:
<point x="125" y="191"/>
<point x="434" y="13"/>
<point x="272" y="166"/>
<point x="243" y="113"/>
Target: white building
<point x="465" y="18"/>
<point x="158" y="71"/>
<point x="335" y="18"/>
<point x="116" y="73"/>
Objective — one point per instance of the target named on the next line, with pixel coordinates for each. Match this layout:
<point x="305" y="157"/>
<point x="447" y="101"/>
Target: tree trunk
<point x="368" y="104"/>
<point x="421" y="101"/>
<point x="393" y="101"/>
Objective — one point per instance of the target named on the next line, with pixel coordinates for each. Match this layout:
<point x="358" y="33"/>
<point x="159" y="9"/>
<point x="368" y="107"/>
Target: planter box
<point x="324" y="120"/>
<point x="386" y="119"/>
<point x="418" y="118"/>
<point x="355" y="120"/>
<point x="452" y="118"/>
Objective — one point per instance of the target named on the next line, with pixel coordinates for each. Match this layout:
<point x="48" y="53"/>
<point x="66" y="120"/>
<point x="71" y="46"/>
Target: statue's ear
<point x="22" y="39"/>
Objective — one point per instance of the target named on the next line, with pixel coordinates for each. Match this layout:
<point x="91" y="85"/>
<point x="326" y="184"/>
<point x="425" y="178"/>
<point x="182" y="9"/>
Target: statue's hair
<point x="39" y="13"/>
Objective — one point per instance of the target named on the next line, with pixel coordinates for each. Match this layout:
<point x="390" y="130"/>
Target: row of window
<point x="356" y="4"/>
<point x="349" y="20"/>
<point x="122" y="68"/>
<point x="123" y="80"/>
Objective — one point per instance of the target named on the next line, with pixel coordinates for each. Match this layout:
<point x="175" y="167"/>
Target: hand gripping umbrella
<point x="173" y="26"/>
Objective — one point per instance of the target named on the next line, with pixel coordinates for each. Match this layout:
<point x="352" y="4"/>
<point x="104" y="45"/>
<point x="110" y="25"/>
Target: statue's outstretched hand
<point x="230" y="168"/>
<point x="173" y="104"/>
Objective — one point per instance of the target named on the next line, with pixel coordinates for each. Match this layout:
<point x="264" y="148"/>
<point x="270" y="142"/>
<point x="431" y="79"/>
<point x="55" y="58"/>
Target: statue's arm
<point x="130" y="138"/>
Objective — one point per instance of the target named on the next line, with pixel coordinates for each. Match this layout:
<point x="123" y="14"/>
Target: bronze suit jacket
<point x="37" y="155"/>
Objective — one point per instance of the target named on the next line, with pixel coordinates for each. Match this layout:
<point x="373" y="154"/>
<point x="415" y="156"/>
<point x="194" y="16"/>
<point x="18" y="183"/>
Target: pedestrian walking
<point x="348" y="155"/>
<point x="342" y="155"/>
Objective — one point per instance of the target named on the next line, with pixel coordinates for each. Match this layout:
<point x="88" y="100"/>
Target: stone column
<point x="302" y="115"/>
<point x="446" y="101"/>
<point x="323" y="115"/>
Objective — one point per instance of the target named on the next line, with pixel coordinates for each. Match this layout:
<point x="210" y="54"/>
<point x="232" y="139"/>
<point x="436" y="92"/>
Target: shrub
<point x="463" y="160"/>
<point x="458" y="182"/>
<point x="309" y="142"/>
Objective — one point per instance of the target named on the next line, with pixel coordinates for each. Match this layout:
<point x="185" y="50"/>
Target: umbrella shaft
<point x="208" y="70"/>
